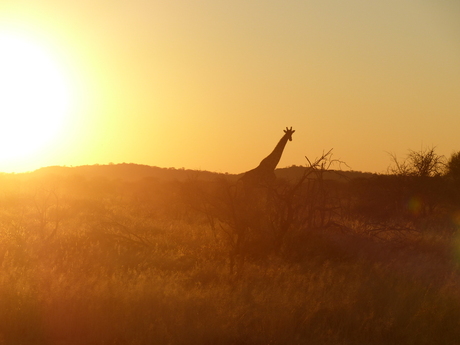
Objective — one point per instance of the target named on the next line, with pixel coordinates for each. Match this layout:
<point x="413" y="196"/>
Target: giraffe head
<point x="289" y="133"/>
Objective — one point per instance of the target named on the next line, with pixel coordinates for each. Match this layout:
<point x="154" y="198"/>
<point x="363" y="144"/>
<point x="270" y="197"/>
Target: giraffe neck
<point x="271" y="161"/>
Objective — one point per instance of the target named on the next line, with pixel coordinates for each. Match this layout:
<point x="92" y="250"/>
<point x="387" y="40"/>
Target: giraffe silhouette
<point x="264" y="174"/>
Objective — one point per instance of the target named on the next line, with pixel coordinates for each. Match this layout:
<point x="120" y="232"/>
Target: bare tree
<point x="423" y="163"/>
<point x="421" y="173"/>
<point x="307" y="203"/>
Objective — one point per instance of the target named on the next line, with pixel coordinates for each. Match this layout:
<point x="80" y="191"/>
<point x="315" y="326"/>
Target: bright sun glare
<point x="34" y="98"/>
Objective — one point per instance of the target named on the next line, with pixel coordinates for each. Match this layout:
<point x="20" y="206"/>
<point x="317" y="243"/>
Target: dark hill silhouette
<point x="126" y="172"/>
<point x="131" y="172"/>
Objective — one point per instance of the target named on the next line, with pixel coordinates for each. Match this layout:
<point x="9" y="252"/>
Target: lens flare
<point x="415" y="205"/>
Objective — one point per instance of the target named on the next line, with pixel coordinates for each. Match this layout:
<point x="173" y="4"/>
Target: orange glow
<point x="177" y="85"/>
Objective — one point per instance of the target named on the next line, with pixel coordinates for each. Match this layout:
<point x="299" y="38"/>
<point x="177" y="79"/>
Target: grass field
<point x="104" y="266"/>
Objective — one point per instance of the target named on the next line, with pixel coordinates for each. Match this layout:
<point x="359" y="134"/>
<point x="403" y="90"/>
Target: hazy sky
<point x="212" y="84"/>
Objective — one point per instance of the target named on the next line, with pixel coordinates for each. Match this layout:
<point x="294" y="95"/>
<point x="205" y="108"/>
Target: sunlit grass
<point x="113" y="274"/>
<point x="328" y="303"/>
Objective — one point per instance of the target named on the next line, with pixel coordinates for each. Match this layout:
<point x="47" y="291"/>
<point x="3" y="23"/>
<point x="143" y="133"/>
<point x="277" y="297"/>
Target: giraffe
<point x="251" y="206"/>
<point x="264" y="174"/>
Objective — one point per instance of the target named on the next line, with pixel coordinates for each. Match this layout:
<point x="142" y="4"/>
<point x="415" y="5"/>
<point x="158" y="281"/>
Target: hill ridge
<point x="134" y="172"/>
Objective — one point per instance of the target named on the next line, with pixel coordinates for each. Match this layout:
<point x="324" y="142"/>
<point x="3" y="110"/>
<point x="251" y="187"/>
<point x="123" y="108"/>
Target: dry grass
<point x="114" y="274"/>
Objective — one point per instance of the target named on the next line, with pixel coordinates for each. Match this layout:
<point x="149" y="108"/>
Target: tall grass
<point x="114" y="273"/>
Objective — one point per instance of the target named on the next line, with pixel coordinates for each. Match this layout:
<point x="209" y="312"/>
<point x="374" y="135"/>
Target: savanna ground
<point x="98" y="261"/>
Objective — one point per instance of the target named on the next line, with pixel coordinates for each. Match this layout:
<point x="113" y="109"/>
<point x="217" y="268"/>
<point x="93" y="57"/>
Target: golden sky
<point x="212" y="84"/>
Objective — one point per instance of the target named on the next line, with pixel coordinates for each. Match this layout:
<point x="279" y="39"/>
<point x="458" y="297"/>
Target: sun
<point x="34" y="98"/>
